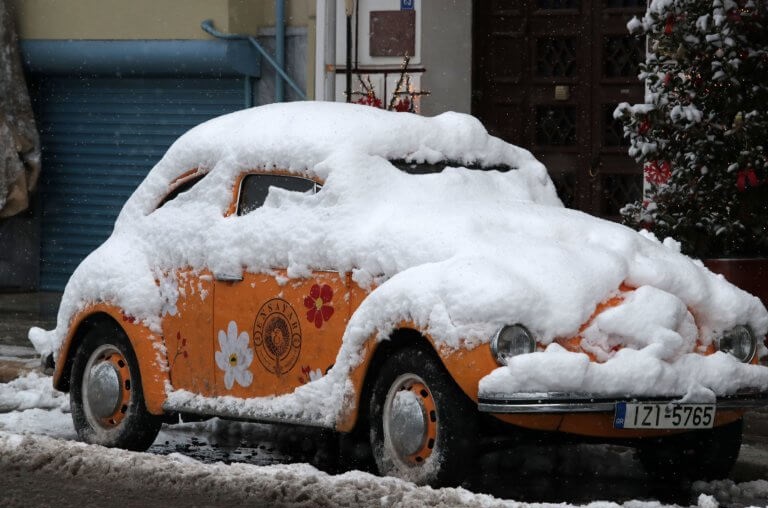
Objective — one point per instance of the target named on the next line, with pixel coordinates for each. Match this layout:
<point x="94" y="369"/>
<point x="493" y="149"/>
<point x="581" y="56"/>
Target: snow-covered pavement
<point x="40" y="463"/>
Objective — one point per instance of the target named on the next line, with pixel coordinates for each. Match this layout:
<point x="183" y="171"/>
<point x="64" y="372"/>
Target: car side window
<point x="180" y="189"/>
<point x="255" y="187"/>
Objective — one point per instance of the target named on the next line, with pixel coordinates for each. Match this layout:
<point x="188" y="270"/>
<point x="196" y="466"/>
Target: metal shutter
<point x="100" y="137"/>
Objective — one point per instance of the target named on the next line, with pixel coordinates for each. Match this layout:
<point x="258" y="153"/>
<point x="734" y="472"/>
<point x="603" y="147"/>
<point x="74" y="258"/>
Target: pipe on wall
<point x="279" y="48"/>
<point x="325" y="50"/>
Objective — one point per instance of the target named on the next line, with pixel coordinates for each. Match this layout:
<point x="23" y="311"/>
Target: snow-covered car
<point x="409" y="282"/>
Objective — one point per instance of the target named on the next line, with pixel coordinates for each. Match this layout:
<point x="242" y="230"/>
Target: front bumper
<point x="561" y="403"/>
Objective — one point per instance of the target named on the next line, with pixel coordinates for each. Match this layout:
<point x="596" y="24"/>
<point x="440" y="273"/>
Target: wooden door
<point x="547" y="75"/>
<point x="273" y="333"/>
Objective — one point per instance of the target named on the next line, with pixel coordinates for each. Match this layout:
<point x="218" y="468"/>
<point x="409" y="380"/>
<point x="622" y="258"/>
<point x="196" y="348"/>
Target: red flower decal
<point x="127" y="318"/>
<point x="318" y="304"/>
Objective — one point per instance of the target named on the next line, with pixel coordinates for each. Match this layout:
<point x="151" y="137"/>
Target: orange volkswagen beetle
<point x="404" y="281"/>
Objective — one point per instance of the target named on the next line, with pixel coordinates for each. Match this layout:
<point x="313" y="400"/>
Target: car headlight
<point x="740" y="342"/>
<point x="511" y="340"/>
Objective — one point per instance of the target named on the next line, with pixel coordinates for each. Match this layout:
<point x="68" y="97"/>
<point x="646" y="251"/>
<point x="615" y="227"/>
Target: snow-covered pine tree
<point x="702" y="134"/>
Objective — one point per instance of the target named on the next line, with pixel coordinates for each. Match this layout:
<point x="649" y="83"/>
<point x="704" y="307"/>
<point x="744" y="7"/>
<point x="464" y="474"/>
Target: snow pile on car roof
<point x="459" y="253"/>
<point x="314" y="138"/>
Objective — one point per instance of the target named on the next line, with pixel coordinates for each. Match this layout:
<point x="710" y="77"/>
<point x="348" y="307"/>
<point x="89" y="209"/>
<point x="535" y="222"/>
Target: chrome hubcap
<point x="103" y="390"/>
<point x="407" y="423"/>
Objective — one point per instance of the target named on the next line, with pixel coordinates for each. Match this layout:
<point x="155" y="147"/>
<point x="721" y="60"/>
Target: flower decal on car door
<point x="234" y="357"/>
<point x="318" y="304"/>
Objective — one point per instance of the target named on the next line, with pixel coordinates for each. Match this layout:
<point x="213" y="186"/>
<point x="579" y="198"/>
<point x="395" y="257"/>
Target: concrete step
<point x="20" y="311"/>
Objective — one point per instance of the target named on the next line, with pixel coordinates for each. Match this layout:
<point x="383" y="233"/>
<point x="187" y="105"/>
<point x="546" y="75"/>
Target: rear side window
<point x="180" y="189"/>
<point x="254" y="189"/>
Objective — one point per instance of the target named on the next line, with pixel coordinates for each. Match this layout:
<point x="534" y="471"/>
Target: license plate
<point x="630" y="415"/>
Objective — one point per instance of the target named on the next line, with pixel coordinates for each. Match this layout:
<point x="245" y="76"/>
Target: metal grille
<point x="622" y="56"/>
<point x="555" y="125"/>
<point x="556" y="57"/>
<point x="613" y="129"/>
<point x="618" y="190"/>
<point x="557" y="4"/>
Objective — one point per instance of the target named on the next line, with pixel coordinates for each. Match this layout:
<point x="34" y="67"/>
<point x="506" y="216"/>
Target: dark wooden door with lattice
<point x="547" y="75"/>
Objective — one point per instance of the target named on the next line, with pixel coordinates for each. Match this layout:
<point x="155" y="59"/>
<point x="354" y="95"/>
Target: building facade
<point x="114" y="83"/>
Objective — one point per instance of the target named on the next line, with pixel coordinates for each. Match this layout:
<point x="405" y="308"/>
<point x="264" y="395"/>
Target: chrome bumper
<point x="541" y="403"/>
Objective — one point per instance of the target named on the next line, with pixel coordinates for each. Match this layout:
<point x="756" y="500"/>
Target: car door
<point x="271" y="333"/>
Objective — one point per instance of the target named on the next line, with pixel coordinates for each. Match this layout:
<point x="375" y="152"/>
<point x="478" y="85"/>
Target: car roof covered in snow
<point x="300" y="136"/>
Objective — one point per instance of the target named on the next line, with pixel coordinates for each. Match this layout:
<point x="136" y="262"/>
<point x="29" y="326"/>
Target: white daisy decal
<point x="235" y="357"/>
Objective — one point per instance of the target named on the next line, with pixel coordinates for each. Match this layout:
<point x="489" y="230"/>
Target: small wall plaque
<point x="562" y="92"/>
<point x="393" y="33"/>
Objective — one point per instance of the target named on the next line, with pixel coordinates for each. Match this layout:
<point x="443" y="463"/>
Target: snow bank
<point x="32" y="390"/>
<point x="729" y="493"/>
<point x="459" y="253"/>
<point x="241" y="484"/>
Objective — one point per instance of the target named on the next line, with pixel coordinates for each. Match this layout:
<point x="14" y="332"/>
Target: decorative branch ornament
<point x="404" y="98"/>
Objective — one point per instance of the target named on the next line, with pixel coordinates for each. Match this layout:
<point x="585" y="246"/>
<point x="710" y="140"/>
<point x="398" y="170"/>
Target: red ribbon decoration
<point x="669" y="25"/>
<point x="744" y="177"/>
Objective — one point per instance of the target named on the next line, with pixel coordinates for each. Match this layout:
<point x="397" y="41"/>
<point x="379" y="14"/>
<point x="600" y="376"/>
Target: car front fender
<point x="149" y="348"/>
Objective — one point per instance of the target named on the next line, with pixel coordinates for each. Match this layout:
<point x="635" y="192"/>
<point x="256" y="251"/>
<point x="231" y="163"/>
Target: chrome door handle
<point x="228" y="277"/>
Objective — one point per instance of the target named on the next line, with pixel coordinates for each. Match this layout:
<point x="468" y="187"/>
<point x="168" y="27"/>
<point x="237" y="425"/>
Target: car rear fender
<point x="148" y="347"/>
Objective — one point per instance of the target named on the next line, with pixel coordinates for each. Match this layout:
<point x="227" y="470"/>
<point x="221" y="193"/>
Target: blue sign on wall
<point x="406" y="5"/>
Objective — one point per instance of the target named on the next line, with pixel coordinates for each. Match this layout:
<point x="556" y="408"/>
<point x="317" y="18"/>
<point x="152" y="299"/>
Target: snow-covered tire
<point x="422" y="426"/>
<point x="106" y="393"/>
<point x="697" y="455"/>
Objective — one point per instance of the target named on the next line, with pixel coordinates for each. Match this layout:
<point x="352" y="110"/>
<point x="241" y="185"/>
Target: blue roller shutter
<point x="100" y="137"/>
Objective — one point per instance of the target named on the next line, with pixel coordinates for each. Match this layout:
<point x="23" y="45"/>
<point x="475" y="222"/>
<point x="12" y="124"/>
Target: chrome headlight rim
<point x="728" y="336"/>
<point x="501" y="355"/>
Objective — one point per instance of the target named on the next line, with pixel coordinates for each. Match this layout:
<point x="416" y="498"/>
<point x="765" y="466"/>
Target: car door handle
<point x="228" y="277"/>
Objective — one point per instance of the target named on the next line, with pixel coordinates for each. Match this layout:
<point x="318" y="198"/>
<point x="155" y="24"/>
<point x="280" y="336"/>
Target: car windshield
<point x="423" y="168"/>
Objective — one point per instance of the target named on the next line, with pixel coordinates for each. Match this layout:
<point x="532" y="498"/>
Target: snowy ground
<point x="219" y="463"/>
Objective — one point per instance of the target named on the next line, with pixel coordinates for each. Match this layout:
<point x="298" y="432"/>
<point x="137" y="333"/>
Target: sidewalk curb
<point x="12" y="369"/>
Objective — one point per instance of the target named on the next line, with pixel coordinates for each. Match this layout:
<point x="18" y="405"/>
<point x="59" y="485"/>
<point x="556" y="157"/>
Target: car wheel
<point x="422" y="426"/>
<point x="699" y="455"/>
<point x="106" y="394"/>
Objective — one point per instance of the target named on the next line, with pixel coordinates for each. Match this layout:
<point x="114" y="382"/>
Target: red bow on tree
<point x="657" y="172"/>
<point x="669" y="25"/>
<point x="644" y="127"/>
<point x="744" y="177"/>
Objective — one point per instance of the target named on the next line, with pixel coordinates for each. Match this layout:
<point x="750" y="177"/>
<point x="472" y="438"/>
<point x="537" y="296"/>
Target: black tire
<point x="698" y="455"/>
<point x="354" y="449"/>
<point x="446" y="447"/>
<point x="130" y="425"/>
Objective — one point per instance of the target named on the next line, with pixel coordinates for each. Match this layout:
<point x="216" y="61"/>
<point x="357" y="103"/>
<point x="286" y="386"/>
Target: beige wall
<point x="446" y="52"/>
<point x="160" y="19"/>
<point x="150" y="19"/>
<point x="246" y="14"/>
